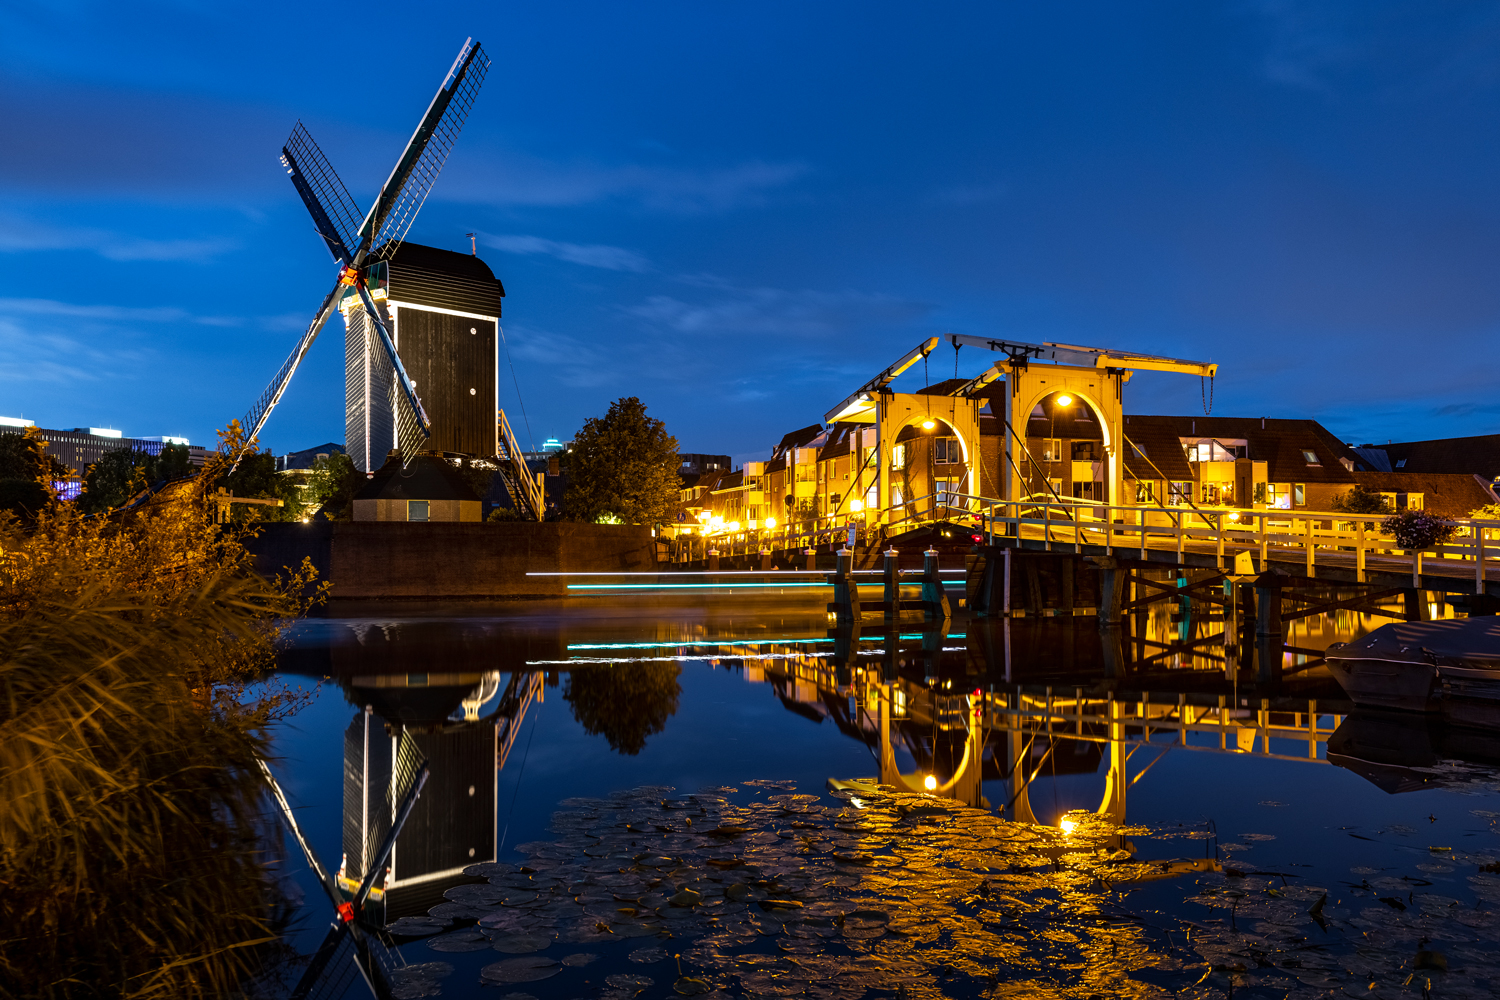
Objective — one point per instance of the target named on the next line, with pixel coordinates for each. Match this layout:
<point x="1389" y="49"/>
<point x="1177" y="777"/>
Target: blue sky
<point x="740" y="212"/>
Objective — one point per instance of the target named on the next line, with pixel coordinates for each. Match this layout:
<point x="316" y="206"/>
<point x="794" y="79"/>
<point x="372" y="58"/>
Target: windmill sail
<point x="260" y="412"/>
<point x="412" y="426"/>
<point x="406" y="189"/>
<point x="334" y="211"/>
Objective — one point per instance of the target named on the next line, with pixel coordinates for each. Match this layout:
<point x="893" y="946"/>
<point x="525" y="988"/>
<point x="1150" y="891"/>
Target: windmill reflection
<point x="465" y="724"/>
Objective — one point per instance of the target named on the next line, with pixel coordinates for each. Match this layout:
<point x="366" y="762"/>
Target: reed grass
<point x="133" y="855"/>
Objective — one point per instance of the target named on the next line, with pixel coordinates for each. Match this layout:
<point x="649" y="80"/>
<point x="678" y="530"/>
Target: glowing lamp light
<point x="770" y="522"/>
<point x="855" y="506"/>
<point x="929" y="424"/>
<point x="929" y="782"/>
<point x="1067" y="825"/>
<point x="1064" y="400"/>
<point x="1234" y="515"/>
<point x="733" y="526"/>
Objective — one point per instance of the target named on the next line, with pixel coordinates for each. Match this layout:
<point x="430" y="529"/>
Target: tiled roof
<point x="427" y="478"/>
<point x="1277" y="442"/>
<point x="1444" y="494"/>
<point x="1477" y="456"/>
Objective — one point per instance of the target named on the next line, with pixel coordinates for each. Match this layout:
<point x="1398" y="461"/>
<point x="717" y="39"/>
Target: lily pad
<point x="521" y="970"/>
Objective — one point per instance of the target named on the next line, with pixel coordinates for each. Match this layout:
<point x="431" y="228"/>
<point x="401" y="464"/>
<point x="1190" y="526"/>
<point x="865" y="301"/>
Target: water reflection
<point x="945" y="865"/>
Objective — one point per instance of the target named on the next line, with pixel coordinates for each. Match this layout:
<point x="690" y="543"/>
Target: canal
<point x="639" y="795"/>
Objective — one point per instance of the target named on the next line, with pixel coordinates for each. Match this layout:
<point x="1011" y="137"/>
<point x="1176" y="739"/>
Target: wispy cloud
<point x="115" y="314"/>
<point x="19" y="235"/>
<point x="508" y="178"/>
<point x="572" y="361"/>
<point x="590" y="255"/>
<point x="775" y="311"/>
<point x="42" y="356"/>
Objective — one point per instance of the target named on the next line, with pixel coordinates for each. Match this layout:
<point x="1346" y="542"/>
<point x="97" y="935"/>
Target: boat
<point x="1448" y="667"/>
<point x="1405" y="752"/>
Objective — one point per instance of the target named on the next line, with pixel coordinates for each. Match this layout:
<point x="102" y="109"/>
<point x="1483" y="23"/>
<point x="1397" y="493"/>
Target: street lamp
<point x="1064" y="401"/>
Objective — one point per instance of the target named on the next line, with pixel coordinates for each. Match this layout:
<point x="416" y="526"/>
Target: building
<point x="81" y="447"/>
<point x="295" y="460"/>
<point x="1462" y="456"/>
<point x="429" y="489"/>
<point x="444" y="312"/>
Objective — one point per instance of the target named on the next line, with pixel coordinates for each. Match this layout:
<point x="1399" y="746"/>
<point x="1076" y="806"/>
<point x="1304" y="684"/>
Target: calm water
<point x="636" y="779"/>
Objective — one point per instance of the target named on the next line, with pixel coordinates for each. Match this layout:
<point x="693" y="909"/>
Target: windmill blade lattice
<point x="334" y="210"/>
<point x="407" y="187"/>
<point x="260" y="412"/>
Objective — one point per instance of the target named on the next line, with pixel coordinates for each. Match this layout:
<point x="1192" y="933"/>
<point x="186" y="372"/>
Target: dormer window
<point x="1311" y="456"/>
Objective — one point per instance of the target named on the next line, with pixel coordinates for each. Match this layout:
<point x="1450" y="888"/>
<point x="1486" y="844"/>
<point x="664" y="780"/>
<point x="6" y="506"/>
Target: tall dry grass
<point x="132" y="854"/>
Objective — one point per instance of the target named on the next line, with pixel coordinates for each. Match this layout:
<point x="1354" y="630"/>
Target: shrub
<point x="1417" y="529"/>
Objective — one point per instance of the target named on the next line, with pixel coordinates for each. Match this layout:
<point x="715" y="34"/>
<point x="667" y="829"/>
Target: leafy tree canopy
<point x="124" y="472"/>
<point x="331" y="486"/>
<point x="624" y="704"/>
<point x="624" y="463"/>
<point x="1360" y="499"/>
<point x="25" y="472"/>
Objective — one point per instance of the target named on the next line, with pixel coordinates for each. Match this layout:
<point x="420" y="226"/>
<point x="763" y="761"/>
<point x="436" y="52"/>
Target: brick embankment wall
<point x="394" y="560"/>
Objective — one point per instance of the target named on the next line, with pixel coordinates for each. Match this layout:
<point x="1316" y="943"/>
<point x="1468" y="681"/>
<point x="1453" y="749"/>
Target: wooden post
<point x="934" y="597"/>
<point x="713" y="560"/>
<point x="1415" y="601"/>
<point x="845" y="606"/>
<point x="1006" y="584"/>
<point x="1111" y="583"/>
<point x="1069" y="586"/>
<point x="1307" y="545"/>
<point x="765" y="559"/>
<point x="811" y="554"/>
<point x="892" y="584"/>
<point x="1268" y="605"/>
<point x="1359" y="552"/>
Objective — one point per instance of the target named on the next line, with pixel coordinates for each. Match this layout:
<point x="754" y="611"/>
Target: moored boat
<point x="1450" y="667"/>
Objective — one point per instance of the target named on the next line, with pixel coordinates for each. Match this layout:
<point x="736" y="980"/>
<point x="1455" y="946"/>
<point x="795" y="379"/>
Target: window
<point x="1179" y="493"/>
<point x="946" y="451"/>
<point x="1085" y="491"/>
<point x="1299" y="494"/>
<point x="1084" y="451"/>
<point x="872" y="496"/>
<point x="1143" y="491"/>
<point x="1310" y="456"/>
<point x="1278" y="496"/>
<point x="1400" y="463"/>
<point x="1051" y="449"/>
<point x="896" y="498"/>
<point x="946" y="488"/>
<point x="898" y="456"/>
<point x="1138" y="451"/>
<point x="416" y="510"/>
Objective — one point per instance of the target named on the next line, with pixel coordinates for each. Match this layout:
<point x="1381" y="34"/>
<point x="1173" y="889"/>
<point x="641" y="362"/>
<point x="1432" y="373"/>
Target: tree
<point x="26" y="473"/>
<point x="1362" y="500"/>
<point x="257" y="477"/>
<point x="624" y="463"/>
<point x="331" y="487"/>
<point x="624" y="704"/>
<point x="117" y="476"/>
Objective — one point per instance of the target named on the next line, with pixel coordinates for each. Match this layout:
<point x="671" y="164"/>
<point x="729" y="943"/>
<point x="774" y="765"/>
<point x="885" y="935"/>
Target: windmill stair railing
<point x="525" y="491"/>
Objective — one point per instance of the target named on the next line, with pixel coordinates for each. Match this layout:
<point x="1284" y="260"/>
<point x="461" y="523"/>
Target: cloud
<point x="20" y="235"/>
<point x="774" y="311"/>
<point x="508" y="178"/>
<point x="590" y="255"/>
<point x="39" y="356"/>
<point x="570" y="360"/>
<point x="117" y="314"/>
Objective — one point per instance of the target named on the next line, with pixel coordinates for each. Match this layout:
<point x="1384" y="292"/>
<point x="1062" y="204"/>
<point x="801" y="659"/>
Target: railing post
<point x="1047" y="526"/>
<point x="1478" y="559"/>
<point x="1359" y="552"/>
<point x="1219" y="531"/>
<point x="811" y="554"/>
<point x="1307" y="545"/>
<point x="1264" y="545"/>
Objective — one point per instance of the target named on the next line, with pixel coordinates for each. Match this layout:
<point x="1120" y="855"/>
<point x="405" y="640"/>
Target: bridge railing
<point x="1357" y="541"/>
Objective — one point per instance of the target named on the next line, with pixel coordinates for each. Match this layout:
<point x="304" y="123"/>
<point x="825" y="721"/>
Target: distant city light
<point x="552" y="444"/>
<point x="106" y="432"/>
<point x="16" y="422"/>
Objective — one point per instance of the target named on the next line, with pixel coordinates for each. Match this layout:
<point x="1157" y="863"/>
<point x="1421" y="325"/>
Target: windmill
<point x="364" y="245"/>
<point x="350" y="937"/>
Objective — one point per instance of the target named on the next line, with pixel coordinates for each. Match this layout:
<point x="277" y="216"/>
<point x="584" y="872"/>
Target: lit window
<point x="1052" y="449"/>
<point x="872" y="496"/>
<point x="1143" y="491"/>
<point x="946" y="451"/>
<point x="1311" y="456"/>
<point x="1083" y="451"/>
<point x="1179" y="493"/>
<point x="1299" y="494"/>
<point x="416" y="510"/>
<point x="898" y="457"/>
